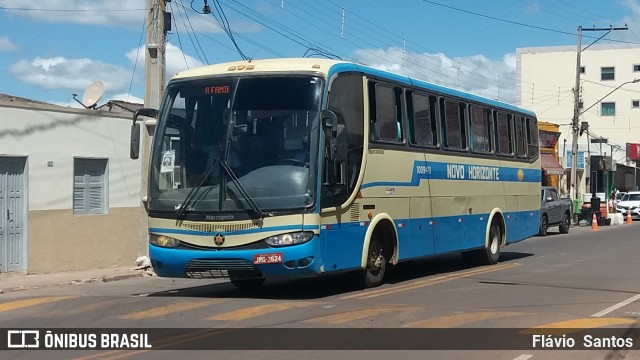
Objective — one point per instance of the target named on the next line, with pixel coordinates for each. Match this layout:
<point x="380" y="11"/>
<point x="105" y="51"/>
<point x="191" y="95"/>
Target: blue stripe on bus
<point x="339" y="246"/>
<point x="423" y="170"/>
<point x="239" y="232"/>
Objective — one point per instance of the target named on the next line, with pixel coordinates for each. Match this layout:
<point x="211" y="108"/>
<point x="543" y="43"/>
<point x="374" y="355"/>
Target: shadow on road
<point x="334" y="284"/>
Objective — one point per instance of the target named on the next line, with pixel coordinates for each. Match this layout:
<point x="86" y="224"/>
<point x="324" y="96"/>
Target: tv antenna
<point x="92" y="95"/>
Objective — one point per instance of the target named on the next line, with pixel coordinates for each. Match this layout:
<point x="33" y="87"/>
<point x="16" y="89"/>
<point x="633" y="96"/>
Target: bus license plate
<point x="271" y="258"/>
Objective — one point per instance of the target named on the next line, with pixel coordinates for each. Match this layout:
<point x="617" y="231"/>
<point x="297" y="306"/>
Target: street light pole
<point x="611" y="92"/>
<point x="576" y="107"/>
<point x="574" y="123"/>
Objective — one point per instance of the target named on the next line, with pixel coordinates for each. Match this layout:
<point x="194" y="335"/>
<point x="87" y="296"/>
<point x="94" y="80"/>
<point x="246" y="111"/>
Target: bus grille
<point x="217" y="227"/>
<point x="355" y="212"/>
<point x="221" y="268"/>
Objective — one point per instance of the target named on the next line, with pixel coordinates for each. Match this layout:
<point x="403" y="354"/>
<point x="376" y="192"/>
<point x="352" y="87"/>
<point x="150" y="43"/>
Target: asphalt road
<point x="585" y="280"/>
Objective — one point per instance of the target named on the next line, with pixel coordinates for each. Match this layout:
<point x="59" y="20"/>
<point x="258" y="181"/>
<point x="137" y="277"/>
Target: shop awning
<point x="550" y="165"/>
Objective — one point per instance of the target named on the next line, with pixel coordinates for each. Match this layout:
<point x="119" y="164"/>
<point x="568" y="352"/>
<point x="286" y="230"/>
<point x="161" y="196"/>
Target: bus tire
<point x="491" y="254"/>
<point x="373" y="274"/>
<point x="247" y="284"/>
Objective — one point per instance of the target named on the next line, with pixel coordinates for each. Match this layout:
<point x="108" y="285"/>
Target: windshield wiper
<point x="189" y="198"/>
<point x="256" y="209"/>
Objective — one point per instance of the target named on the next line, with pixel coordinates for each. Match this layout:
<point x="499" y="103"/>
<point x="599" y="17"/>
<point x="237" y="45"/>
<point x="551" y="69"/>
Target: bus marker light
<point x="369" y="215"/>
<point x="481" y="218"/>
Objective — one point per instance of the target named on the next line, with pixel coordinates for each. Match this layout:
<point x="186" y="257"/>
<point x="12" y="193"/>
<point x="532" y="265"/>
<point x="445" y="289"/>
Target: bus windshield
<point x="233" y="145"/>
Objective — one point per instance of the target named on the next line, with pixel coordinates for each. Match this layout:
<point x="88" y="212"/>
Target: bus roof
<point x="328" y="67"/>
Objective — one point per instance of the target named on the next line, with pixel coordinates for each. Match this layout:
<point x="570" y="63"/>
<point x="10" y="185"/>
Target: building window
<point x="635" y="104"/>
<point x="608" y="109"/>
<point x="608" y="73"/>
<point x="636" y="67"/>
<point x="90" y="186"/>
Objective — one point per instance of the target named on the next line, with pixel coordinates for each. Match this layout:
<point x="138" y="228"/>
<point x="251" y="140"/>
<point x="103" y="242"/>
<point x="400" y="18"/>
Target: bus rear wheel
<point x="492" y="252"/>
<point x="373" y="274"/>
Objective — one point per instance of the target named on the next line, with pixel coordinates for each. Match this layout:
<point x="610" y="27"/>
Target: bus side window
<point x="386" y="113"/>
<point x="452" y="114"/>
<point x="503" y="134"/>
<point x="532" y="138"/>
<point x="480" y="128"/>
<point x="421" y="116"/>
<point x="521" y="139"/>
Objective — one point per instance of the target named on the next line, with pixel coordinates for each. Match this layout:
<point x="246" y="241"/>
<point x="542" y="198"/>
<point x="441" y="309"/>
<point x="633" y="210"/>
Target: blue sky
<point x="50" y="49"/>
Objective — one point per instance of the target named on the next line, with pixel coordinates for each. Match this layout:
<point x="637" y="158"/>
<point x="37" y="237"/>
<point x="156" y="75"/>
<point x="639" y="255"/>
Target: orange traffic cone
<point x="594" y="223"/>
<point x="629" y="220"/>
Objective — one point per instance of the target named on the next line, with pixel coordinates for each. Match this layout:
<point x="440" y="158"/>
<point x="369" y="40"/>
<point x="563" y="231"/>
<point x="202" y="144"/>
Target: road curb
<point x="104" y="279"/>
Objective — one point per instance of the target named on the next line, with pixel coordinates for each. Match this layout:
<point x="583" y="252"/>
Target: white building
<point x="69" y="193"/>
<point x="610" y="102"/>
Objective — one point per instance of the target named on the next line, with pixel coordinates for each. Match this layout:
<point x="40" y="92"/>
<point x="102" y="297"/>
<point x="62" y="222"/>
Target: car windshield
<point x="236" y="144"/>
<point x="631" y="197"/>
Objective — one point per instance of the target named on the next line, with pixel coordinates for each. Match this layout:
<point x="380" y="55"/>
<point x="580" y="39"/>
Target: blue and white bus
<point x="300" y="167"/>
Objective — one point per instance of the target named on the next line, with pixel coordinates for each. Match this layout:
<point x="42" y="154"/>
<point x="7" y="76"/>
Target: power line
<point x="68" y="10"/>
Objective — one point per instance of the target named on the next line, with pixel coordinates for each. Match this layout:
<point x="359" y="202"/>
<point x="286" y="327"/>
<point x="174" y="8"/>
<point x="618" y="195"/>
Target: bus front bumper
<point x="290" y="261"/>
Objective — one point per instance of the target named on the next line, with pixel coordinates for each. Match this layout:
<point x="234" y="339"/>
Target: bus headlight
<point x="289" y="239"/>
<point x="164" y="241"/>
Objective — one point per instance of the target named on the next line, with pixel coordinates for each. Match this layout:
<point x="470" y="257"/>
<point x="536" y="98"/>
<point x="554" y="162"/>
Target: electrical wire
<point x="135" y="64"/>
<point x="186" y="63"/>
<point x="224" y="24"/>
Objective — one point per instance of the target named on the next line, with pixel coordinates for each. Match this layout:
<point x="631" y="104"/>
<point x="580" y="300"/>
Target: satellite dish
<point x="92" y="94"/>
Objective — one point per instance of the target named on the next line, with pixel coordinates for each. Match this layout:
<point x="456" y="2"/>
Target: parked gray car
<point x="554" y="211"/>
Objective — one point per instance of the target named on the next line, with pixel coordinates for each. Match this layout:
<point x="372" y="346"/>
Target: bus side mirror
<point x="329" y="121"/>
<point x="330" y="129"/>
<point x="134" y="150"/>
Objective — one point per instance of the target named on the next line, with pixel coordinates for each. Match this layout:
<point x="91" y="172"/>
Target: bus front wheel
<point x="376" y="266"/>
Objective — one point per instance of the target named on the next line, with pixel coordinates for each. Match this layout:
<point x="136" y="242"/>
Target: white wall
<point x="547" y="77"/>
<point x="57" y="135"/>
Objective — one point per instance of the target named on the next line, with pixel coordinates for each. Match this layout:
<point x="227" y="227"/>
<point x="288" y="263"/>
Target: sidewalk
<point x="21" y="281"/>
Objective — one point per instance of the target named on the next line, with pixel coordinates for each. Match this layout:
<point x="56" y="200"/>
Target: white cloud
<point x="6" y="45"/>
<point x="70" y="74"/>
<point x="130" y="13"/>
<point x="494" y="79"/>
<point x="119" y="13"/>
<point x="176" y="60"/>
<point x="128" y="98"/>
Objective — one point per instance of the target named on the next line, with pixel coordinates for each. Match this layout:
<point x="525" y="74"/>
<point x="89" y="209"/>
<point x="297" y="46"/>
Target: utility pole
<point x="154" y="61"/>
<point x="154" y="85"/>
<point x="576" y="108"/>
